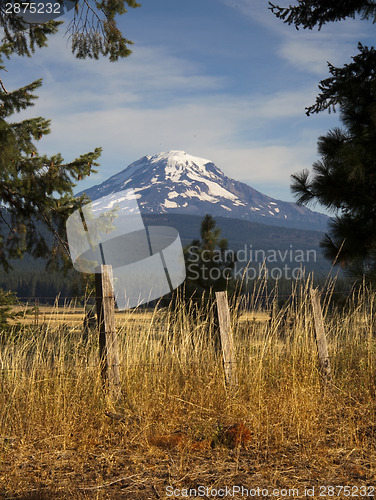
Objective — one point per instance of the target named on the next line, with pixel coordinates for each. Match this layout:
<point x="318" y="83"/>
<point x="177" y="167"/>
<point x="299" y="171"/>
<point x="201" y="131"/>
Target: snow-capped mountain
<point x="176" y="182"/>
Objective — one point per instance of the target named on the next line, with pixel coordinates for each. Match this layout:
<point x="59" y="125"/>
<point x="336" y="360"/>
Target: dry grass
<point x="70" y="315"/>
<point x="177" y="416"/>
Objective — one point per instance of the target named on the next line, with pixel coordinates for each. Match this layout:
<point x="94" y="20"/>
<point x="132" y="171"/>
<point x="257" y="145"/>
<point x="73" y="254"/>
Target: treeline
<point x="38" y="283"/>
<point x="46" y="286"/>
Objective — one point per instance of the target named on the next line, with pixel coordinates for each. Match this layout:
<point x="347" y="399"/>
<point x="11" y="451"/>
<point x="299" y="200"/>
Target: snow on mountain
<point x="176" y="182"/>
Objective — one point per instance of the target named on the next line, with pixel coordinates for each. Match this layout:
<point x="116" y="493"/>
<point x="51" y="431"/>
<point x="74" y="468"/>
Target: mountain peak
<point x="175" y="181"/>
<point x="179" y="158"/>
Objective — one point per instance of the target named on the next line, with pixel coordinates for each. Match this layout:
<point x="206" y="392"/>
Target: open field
<point x="177" y="424"/>
<point x="72" y="316"/>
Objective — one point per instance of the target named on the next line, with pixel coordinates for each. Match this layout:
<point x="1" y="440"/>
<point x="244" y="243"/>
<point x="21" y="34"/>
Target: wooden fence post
<point x="108" y="345"/>
<point x="322" y="346"/>
<point x="36" y="312"/>
<point x="226" y="339"/>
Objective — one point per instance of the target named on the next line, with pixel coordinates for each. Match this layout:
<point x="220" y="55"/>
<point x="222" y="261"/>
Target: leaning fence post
<point x="108" y="345"/>
<point x="226" y="339"/>
<point x="322" y="346"/>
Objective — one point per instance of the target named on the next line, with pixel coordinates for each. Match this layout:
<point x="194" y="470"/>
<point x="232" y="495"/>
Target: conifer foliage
<point x="315" y="13"/>
<point x="344" y="179"/>
<point x="209" y="264"/>
<point x="35" y="187"/>
<point x="92" y="30"/>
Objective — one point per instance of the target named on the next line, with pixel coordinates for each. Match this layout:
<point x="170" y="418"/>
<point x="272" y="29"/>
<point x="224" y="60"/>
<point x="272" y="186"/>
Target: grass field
<point x="72" y="316"/>
<point x="177" y="426"/>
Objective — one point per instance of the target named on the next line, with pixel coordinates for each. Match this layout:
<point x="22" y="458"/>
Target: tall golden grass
<point x="52" y="397"/>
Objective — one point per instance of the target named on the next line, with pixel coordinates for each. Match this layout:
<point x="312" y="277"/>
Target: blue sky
<point x="219" y="79"/>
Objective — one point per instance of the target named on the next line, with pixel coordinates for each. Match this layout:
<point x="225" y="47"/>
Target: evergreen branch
<point x="336" y="90"/>
<point x="48" y="223"/>
<point x="100" y="34"/>
<point x="315" y="13"/>
<point x="4" y="220"/>
<point x="2" y="86"/>
<point x="302" y="188"/>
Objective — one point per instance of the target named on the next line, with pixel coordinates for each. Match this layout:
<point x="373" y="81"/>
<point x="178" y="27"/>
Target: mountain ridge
<point x="176" y="182"/>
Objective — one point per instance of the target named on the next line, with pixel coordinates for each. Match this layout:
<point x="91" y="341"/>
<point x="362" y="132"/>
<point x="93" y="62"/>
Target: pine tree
<point x="311" y="13"/>
<point x="344" y="179"/>
<point x="7" y="299"/>
<point x="36" y="188"/>
<point x="92" y="31"/>
<point x="209" y="264"/>
<point x="32" y="187"/>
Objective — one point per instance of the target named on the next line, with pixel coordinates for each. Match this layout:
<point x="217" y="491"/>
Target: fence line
<point x="92" y="297"/>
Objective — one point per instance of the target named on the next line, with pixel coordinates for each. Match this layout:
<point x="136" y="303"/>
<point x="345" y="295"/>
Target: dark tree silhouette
<point x="344" y="179"/>
<point x="209" y="263"/>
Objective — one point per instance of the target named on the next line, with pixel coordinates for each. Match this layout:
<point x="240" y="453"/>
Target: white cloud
<point x="150" y="73"/>
<point x="307" y="50"/>
<point x="312" y="52"/>
<point x="122" y="118"/>
<point x="256" y="11"/>
<point x="263" y="164"/>
<point x="189" y="123"/>
<point x="155" y="101"/>
<point x="208" y="129"/>
<point x="284" y="104"/>
<point x="308" y="55"/>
